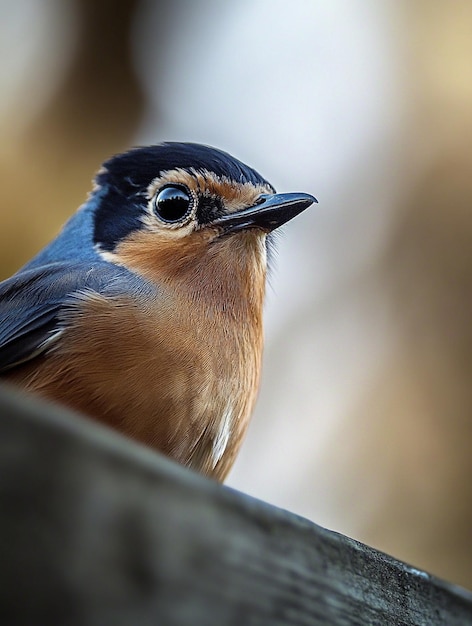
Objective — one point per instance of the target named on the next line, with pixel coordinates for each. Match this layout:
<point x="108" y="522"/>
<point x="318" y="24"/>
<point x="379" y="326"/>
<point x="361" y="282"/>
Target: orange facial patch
<point x="227" y="271"/>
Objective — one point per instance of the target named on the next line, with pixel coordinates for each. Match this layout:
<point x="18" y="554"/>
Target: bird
<point x="145" y="312"/>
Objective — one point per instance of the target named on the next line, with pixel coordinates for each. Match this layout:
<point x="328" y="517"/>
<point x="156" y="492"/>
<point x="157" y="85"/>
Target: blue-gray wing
<point x="32" y="300"/>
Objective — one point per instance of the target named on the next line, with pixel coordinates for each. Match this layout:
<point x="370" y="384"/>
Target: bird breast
<point x="178" y="371"/>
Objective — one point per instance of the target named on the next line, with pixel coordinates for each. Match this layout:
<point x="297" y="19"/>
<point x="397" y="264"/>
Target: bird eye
<point x="172" y="203"/>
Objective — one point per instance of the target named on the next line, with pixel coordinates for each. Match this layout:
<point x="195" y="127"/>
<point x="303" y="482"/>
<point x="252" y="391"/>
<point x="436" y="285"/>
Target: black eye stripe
<point x="209" y="208"/>
<point x="173" y="203"/>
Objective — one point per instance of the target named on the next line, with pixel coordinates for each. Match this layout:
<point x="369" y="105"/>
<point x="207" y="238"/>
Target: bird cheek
<point x="159" y="257"/>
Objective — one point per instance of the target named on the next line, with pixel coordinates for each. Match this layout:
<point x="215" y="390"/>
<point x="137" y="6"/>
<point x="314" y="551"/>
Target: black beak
<point x="270" y="212"/>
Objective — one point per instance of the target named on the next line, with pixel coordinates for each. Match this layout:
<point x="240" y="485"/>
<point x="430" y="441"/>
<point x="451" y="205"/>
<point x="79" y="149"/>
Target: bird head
<point x="183" y="210"/>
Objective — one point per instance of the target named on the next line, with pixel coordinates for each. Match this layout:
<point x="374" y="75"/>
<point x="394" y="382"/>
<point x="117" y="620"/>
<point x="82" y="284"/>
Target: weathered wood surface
<point x="95" y="530"/>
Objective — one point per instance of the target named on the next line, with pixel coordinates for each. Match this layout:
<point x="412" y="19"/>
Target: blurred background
<point x="364" y="419"/>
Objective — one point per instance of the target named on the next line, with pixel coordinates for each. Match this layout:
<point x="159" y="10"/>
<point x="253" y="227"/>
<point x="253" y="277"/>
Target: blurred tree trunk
<point x="419" y="410"/>
<point x="46" y="172"/>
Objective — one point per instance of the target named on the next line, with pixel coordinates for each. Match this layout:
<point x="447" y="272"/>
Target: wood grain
<point x="96" y="530"/>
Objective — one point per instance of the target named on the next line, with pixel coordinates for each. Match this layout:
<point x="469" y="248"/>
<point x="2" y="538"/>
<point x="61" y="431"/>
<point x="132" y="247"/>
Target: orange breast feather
<point x="178" y="371"/>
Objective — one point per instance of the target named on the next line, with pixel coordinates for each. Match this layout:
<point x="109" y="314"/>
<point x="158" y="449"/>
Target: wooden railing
<point x="97" y="530"/>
